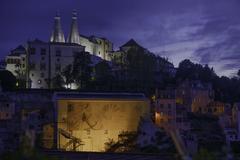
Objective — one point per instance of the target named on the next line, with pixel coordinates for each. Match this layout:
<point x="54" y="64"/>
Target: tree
<point x="68" y="75"/>
<point x="127" y="142"/>
<point x="58" y="82"/>
<point x="81" y="71"/>
<point x="140" y="67"/>
<point x="7" y="80"/>
<point x="103" y="76"/>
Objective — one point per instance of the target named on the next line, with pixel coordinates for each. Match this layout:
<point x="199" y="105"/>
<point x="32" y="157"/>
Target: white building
<point x="40" y="61"/>
<point x="16" y="61"/>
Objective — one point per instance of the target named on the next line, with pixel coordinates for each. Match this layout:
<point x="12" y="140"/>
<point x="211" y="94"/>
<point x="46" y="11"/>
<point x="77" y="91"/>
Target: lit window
<point x="39" y="81"/>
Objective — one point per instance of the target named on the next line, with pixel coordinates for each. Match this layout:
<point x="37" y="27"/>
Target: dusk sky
<point x="205" y="31"/>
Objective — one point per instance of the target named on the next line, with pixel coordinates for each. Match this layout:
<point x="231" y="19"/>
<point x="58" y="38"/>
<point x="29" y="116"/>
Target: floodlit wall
<point x="86" y="125"/>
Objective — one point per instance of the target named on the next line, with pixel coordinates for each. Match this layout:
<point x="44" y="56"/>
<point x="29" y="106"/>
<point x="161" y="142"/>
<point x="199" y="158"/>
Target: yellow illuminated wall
<point x="86" y="125"/>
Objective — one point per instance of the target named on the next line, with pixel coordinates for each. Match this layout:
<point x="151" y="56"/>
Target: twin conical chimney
<point x="57" y="34"/>
<point x="74" y="34"/>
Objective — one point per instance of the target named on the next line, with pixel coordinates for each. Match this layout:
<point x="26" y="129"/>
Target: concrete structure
<point x="86" y="121"/>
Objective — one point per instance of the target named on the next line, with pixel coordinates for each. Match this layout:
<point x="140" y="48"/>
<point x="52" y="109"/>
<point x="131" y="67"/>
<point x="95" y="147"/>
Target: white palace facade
<point x="40" y="61"/>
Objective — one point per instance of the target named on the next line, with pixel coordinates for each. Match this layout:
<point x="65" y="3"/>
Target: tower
<point x="57" y="34"/>
<point x="74" y="34"/>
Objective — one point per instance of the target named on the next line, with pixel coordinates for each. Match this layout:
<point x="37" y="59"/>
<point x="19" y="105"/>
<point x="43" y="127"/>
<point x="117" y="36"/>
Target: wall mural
<point x="89" y="125"/>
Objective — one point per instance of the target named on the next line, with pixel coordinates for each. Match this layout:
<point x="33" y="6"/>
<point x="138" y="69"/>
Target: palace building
<point x="38" y="62"/>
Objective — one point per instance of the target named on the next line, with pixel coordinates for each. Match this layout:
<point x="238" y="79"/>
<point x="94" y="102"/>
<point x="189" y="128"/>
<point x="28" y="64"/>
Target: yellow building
<point x="86" y="121"/>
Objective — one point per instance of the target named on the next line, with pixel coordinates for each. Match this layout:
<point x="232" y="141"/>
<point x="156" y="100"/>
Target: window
<point x="58" y="53"/>
<point x="32" y="74"/>
<point x="32" y="50"/>
<point x="23" y="65"/>
<point x="99" y="53"/>
<point x="39" y="81"/>
<point x="43" y="58"/>
<point x="58" y="59"/>
<point x="23" y="59"/>
<point x="42" y="66"/>
<point x="42" y="75"/>
<point x="43" y="51"/>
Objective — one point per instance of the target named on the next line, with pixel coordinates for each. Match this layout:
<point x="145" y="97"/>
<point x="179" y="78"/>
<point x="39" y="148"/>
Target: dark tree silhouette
<point x="7" y="80"/>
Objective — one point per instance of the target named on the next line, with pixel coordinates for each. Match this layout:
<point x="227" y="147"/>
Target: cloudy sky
<point x="205" y="31"/>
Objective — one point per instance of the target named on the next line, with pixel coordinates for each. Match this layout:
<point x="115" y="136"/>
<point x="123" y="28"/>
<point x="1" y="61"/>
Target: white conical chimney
<point x="74" y="34"/>
<point x="57" y="34"/>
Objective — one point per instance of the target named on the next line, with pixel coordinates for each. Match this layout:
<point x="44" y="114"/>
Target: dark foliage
<point x="7" y="80"/>
<point x="226" y="89"/>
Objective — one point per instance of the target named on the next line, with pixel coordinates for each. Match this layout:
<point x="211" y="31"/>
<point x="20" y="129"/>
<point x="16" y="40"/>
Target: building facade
<point x="169" y="112"/>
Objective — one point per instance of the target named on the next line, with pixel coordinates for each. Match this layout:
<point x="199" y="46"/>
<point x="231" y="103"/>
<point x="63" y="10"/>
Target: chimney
<point x="74" y="34"/>
<point x="57" y="34"/>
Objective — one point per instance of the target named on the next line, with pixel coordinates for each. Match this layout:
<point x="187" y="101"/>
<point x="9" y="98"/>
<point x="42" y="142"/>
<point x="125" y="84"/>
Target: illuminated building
<point x="38" y="62"/>
<point x="16" y="61"/>
<point x="215" y="108"/>
<point x="194" y="95"/>
<point x="168" y="111"/>
<point x="86" y="121"/>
